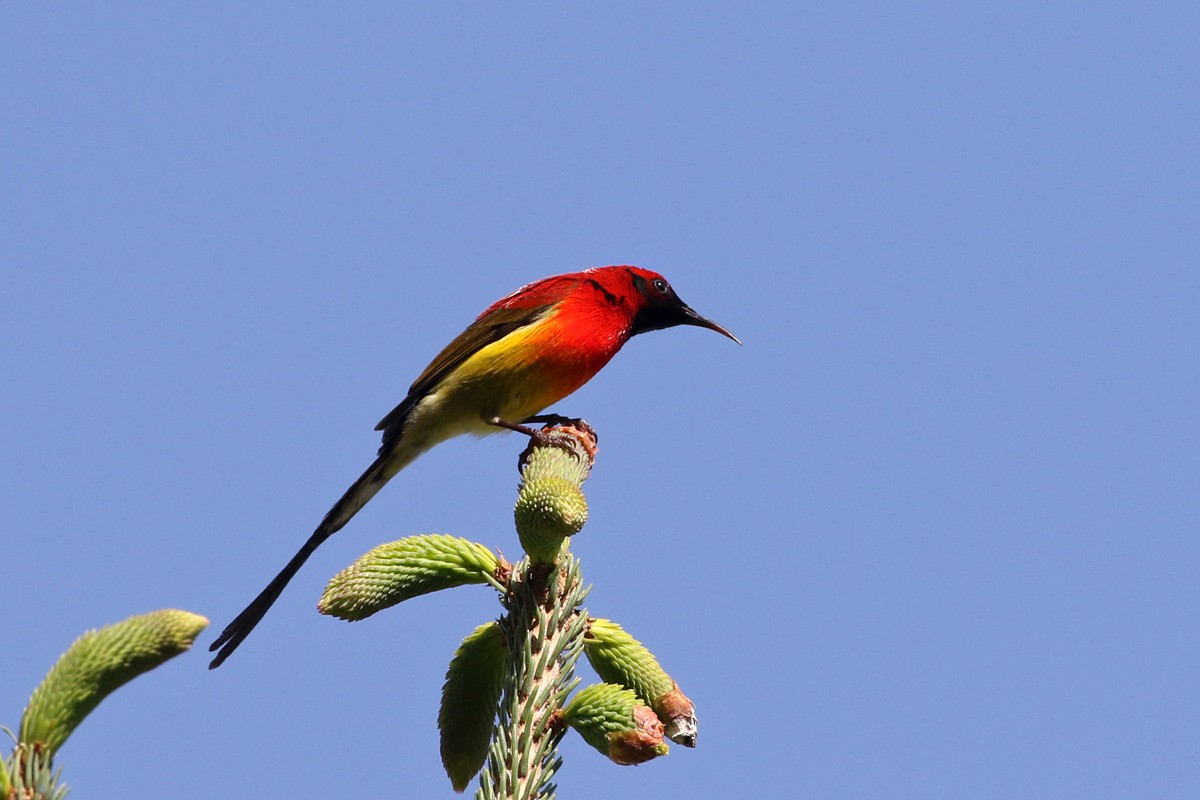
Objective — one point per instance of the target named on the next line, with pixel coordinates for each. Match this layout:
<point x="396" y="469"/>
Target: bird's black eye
<point x="662" y="286"/>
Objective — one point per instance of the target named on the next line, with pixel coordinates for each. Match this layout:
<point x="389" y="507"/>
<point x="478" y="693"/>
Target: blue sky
<point x="931" y="533"/>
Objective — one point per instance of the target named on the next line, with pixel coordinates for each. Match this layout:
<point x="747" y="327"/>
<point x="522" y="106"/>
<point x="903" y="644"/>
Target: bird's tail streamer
<point x="362" y="490"/>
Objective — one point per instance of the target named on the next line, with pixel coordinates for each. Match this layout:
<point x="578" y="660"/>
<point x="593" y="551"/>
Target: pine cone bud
<point x="470" y="698"/>
<point x="548" y="510"/>
<point x="620" y="659"/>
<point x="614" y="721"/>
<point x="403" y="569"/>
<point x="97" y="664"/>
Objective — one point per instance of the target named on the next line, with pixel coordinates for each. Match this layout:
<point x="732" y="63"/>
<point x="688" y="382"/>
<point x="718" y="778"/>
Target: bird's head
<point x="656" y="306"/>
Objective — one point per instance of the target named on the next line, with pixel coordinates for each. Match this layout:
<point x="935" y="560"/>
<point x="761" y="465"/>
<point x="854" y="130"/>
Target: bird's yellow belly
<point x="490" y="385"/>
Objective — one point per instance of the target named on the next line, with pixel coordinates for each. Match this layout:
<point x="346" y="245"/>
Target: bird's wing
<point x="491" y="326"/>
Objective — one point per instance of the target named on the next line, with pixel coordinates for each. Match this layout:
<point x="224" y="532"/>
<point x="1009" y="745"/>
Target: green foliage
<point x="510" y="679"/>
<point x="550" y="503"/>
<point x="95" y="665"/>
<point x="616" y="722"/>
<point x="400" y="570"/>
<point x="98" y="663"/>
<point x="619" y="658"/>
<point x="548" y="510"/>
<point x="29" y="774"/>
<point x="470" y="699"/>
<point x="544" y="633"/>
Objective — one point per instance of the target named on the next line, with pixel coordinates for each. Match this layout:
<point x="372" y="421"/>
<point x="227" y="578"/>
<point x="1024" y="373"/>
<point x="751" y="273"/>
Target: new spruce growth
<point x="98" y="663"/>
<point x="506" y="700"/>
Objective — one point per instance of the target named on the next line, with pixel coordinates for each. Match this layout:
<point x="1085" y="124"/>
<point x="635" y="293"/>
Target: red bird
<point x="522" y="354"/>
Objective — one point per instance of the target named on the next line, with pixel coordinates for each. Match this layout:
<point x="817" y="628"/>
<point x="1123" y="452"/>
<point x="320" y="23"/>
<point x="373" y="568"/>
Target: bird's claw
<point x="551" y="419"/>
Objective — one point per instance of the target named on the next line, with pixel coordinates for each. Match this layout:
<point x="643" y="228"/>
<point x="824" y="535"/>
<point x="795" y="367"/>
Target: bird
<point x="524" y="353"/>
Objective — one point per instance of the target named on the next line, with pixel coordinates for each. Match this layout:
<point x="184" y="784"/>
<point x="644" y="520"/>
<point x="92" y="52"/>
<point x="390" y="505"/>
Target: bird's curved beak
<point x="690" y="317"/>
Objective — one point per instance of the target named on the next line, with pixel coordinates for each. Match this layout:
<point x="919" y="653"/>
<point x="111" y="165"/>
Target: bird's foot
<point x="574" y="436"/>
<point x="549" y="420"/>
<point x="554" y="428"/>
<point x="516" y="427"/>
<point x="552" y="419"/>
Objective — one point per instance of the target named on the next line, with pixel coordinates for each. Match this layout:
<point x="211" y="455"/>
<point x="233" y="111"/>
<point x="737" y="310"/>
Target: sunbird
<point x="521" y="355"/>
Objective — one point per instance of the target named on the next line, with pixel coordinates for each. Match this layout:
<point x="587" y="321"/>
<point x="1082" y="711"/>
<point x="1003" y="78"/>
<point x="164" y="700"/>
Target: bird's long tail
<point x="354" y="499"/>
